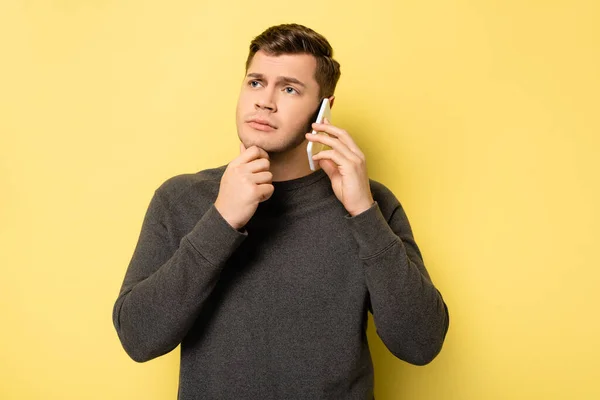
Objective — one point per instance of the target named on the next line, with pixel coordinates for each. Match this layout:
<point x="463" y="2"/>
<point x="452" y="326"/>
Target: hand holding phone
<point x="313" y="148"/>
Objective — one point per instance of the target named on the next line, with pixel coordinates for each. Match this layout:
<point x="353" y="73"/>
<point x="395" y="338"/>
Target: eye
<point x="290" y="90"/>
<point x="254" y="84"/>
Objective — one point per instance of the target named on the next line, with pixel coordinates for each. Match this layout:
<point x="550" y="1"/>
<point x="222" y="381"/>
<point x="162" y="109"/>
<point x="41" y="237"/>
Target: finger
<point x="252" y="153"/>
<point x="332" y="155"/>
<point x="260" y="164"/>
<point x="335" y="144"/>
<point x="265" y="191"/>
<point x="262" y="177"/>
<point x="331" y="129"/>
<point x="329" y="167"/>
<point x="341" y="134"/>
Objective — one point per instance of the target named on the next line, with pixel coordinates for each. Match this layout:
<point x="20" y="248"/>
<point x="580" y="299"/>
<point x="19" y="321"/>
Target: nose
<point x="266" y="102"/>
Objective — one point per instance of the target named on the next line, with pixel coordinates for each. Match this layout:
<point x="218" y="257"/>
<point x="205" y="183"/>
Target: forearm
<point x="154" y="311"/>
<point x="410" y="315"/>
<point x="153" y="316"/>
<point x="409" y="312"/>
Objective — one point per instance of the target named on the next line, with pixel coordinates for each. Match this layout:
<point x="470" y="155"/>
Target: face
<point x="278" y="99"/>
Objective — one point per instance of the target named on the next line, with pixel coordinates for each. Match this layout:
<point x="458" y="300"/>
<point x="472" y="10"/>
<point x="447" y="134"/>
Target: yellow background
<point x="482" y="117"/>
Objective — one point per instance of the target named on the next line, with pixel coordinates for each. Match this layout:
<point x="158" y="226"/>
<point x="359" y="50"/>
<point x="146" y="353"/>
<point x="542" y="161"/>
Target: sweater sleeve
<point x="166" y="284"/>
<point x="410" y="315"/>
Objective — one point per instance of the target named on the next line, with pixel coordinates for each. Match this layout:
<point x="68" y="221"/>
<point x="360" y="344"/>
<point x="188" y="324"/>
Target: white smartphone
<point x="313" y="148"/>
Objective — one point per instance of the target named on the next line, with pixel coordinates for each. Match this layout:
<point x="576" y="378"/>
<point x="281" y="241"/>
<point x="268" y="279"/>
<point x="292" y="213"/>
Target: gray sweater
<point x="277" y="310"/>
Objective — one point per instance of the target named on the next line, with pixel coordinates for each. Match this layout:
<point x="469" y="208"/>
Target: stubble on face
<point x="267" y="95"/>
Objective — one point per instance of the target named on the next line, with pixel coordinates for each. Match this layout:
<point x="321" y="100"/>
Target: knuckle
<point x="246" y="179"/>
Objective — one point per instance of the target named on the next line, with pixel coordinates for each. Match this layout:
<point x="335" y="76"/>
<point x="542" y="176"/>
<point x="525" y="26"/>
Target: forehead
<point x="299" y="66"/>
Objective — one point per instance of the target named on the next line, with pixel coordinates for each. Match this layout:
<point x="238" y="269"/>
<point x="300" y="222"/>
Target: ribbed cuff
<point x="214" y="238"/>
<point x="371" y="231"/>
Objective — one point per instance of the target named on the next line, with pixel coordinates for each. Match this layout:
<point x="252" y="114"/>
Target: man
<point x="263" y="270"/>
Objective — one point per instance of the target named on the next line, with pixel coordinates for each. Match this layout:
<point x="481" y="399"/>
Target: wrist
<point x="231" y="221"/>
<point x="361" y="209"/>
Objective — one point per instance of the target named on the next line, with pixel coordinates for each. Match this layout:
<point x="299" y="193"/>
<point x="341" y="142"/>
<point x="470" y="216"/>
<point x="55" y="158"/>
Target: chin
<point x="272" y="142"/>
<point x="251" y="138"/>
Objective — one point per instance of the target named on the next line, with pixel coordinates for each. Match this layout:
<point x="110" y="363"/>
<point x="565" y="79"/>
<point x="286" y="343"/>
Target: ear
<point x="331" y="99"/>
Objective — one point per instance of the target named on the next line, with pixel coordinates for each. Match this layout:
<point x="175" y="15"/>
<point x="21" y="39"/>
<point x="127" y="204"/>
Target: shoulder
<point x="203" y="182"/>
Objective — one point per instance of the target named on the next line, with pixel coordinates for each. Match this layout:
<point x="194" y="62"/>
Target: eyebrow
<point x="284" y="79"/>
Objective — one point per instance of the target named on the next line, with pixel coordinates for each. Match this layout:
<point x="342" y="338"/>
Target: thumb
<point x="329" y="167"/>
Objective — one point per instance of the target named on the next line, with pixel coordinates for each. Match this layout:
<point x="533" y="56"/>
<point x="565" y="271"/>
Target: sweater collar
<point x="297" y="194"/>
<point x="301" y="182"/>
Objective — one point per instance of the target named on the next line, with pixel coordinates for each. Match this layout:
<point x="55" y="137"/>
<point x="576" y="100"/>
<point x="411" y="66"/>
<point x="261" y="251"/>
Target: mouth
<point x="261" y="125"/>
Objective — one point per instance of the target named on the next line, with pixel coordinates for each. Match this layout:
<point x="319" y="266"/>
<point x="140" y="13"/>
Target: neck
<point x="291" y="164"/>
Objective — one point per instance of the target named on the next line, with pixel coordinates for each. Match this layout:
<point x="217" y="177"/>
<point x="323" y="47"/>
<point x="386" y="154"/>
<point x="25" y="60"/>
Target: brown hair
<point x="298" y="39"/>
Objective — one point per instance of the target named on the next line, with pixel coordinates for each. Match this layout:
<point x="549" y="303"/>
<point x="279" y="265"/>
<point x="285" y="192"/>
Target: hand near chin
<point x="246" y="182"/>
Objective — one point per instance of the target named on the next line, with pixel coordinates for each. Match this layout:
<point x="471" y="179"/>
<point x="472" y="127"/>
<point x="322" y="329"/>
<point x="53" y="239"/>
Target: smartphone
<point x="313" y="148"/>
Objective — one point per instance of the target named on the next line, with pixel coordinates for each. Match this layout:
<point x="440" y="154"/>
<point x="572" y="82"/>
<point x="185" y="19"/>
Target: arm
<point x="166" y="284"/>
<point x="410" y="315"/>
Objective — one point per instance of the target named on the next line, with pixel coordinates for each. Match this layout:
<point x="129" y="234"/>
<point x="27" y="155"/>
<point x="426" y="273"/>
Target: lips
<point x="261" y="124"/>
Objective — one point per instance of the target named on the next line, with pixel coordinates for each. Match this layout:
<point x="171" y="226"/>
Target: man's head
<point x="289" y="70"/>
